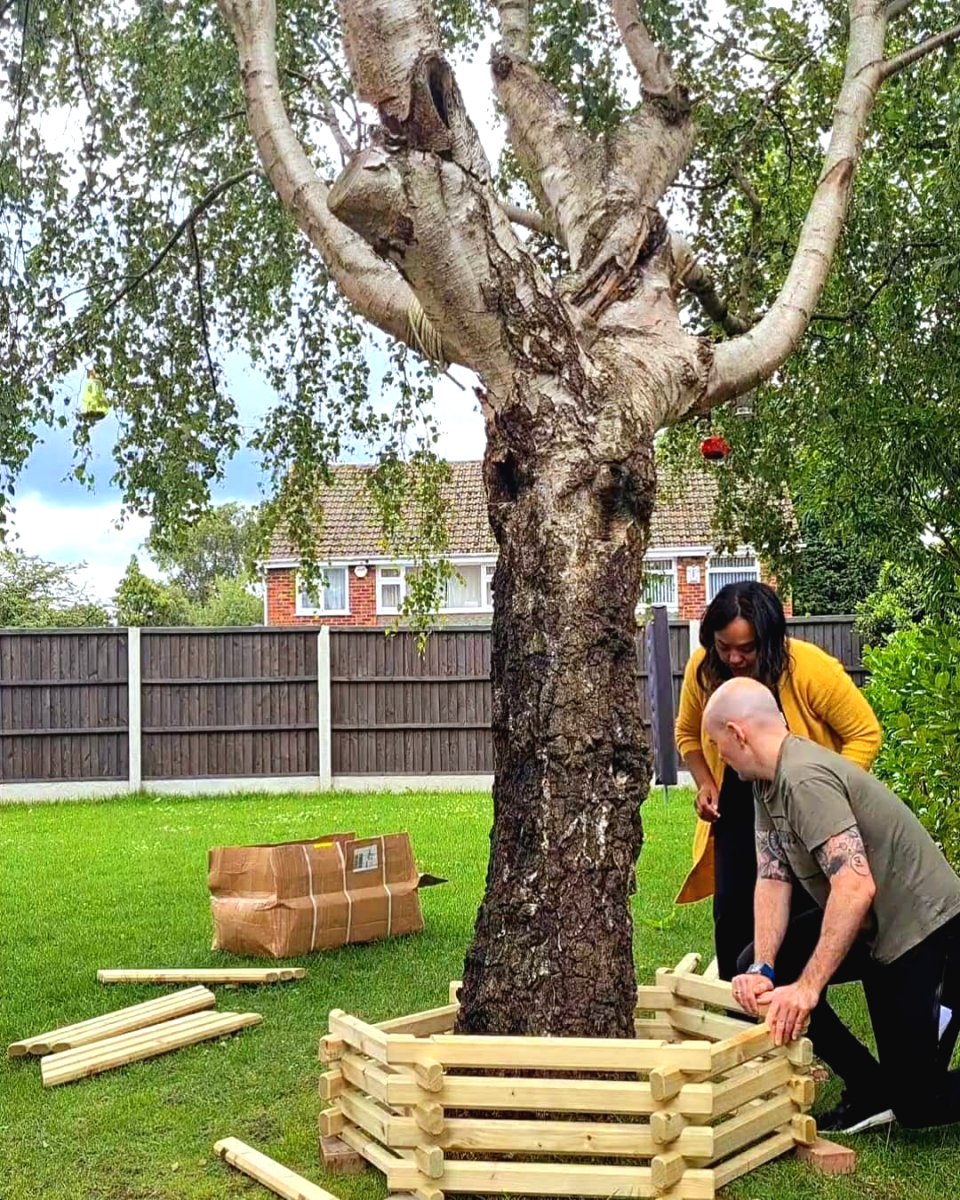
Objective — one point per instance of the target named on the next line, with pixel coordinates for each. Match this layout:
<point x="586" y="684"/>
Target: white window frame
<point x="487" y="566"/>
<point x="318" y="610"/>
<point x="400" y="580"/>
<point x="663" y="560"/>
<point x="718" y="572"/>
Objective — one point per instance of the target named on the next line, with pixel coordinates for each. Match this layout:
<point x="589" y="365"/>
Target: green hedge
<point x="915" y="691"/>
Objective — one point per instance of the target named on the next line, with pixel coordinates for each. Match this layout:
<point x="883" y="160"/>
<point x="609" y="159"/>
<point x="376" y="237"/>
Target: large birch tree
<point x="570" y="310"/>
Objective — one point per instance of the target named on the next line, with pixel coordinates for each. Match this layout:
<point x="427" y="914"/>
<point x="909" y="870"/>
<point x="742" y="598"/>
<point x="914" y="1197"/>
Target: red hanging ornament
<point x="715" y="448"/>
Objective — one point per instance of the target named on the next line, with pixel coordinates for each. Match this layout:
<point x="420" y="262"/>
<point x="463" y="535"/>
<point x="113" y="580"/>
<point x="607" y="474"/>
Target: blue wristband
<point x="763" y="969"/>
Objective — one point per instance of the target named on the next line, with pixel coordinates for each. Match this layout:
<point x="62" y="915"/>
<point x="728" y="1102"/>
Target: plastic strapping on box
<point x="346" y="891"/>
<point x="386" y="887"/>
<point x="313" y="899"/>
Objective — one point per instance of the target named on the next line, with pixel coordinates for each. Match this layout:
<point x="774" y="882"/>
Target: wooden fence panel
<point x="238" y="702"/>
<point x="397" y="713"/>
<point x="63" y="705"/>
<point x="243" y="703"/>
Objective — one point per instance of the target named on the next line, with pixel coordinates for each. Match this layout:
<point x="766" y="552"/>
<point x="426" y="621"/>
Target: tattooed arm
<point x="771" y="900"/>
<point x="843" y="859"/>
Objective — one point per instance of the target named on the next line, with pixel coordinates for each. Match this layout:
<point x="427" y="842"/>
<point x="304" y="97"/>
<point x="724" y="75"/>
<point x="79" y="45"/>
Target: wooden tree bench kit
<point x="712" y="1099"/>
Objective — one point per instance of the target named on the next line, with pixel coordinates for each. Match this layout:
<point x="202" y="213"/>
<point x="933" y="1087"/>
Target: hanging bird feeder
<point x="94" y="405"/>
<point x="715" y="448"/>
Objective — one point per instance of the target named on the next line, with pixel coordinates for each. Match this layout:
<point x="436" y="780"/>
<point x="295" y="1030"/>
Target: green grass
<point x="124" y="884"/>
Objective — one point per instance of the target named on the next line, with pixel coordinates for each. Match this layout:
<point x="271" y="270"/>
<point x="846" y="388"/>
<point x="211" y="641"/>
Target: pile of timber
<point x="142" y="1031"/>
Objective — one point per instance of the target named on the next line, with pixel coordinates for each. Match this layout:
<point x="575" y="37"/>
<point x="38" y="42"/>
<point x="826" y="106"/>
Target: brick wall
<point x="691" y="596"/>
<point x="282" y="600"/>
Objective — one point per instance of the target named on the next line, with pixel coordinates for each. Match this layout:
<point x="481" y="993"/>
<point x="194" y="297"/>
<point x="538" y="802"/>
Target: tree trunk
<point x="553" y="946"/>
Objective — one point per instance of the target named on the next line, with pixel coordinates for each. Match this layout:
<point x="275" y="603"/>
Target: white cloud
<point x="71" y="533"/>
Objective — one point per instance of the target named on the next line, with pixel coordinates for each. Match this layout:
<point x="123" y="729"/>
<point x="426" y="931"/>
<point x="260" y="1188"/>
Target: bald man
<point x="890" y="916"/>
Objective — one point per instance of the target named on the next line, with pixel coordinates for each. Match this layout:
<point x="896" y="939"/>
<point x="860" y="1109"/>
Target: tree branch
<point x="748" y="264"/>
<point x="186" y="224"/>
<point x="743" y="362"/>
<point x="896" y="7"/>
<point x="329" y="114"/>
<point x="689" y="273"/>
<point x="921" y="50"/>
<point x="202" y="307"/>
<point x="375" y="289"/>
<point x="515" y="27"/>
<point x="651" y="62"/>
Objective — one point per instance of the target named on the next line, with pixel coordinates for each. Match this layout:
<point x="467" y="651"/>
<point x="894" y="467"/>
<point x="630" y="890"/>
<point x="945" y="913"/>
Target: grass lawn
<point x="123" y="883"/>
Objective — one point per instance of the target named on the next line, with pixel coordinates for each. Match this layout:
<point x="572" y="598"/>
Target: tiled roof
<point x="351" y="526"/>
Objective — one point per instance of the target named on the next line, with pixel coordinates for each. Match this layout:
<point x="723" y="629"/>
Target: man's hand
<point x="747" y="989"/>
<point x="707" y="802"/>
<point x="788" y="1010"/>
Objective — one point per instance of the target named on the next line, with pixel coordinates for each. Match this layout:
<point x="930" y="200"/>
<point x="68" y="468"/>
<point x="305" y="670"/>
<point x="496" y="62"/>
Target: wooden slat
<point x="558" y="1179"/>
<point x="225" y="975"/>
<point x="272" y="1175"/>
<point x="704" y="1024"/>
<point x="423" y="1024"/>
<point x="123" y="1020"/>
<point x="144" y="1043"/>
<point x="748" y="1083"/>
<point x="750" y="1043"/>
<point x="553" y="1095"/>
<point x="751" y="1124"/>
<point x="652" y="998"/>
<point x="548" y="1053"/>
<point x="695" y="987"/>
<point x="368" y="1039"/>
<point x="769" y="1149"/>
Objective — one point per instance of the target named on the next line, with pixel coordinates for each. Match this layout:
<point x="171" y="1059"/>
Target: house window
<point x="390" y="589"/>
<point x="734" y="568"/>
<point x="488" y="570"/>
<point x="660" y="582"/>
<point x="328" y="596"/>
<point x="469" y="589"/>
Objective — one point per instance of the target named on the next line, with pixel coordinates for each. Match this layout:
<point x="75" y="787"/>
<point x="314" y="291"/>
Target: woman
<point x="744" y="632"/>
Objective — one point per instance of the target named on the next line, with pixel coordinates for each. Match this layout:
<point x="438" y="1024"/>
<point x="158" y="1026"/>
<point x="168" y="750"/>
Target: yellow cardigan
<point x="820" y="702"/>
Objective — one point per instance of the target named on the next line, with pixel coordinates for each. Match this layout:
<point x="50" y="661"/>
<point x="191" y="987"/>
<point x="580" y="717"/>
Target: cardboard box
<point x="292" y="898"/>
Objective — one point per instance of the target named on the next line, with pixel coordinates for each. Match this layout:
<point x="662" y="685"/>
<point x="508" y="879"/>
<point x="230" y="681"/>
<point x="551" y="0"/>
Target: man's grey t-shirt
<point x="815" y="795"/>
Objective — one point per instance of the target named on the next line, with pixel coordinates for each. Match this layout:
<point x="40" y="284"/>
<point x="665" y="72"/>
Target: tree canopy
<point x="140" y="238"/>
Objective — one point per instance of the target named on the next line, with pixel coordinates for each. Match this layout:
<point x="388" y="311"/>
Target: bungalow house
<point x="364" y="587"/>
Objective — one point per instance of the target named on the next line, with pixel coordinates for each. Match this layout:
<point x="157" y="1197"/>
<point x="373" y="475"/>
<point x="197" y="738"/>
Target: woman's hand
<point x="707" y="802"/>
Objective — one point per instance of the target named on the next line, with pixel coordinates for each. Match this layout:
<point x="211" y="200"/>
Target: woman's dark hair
<point x="759" y="604"/>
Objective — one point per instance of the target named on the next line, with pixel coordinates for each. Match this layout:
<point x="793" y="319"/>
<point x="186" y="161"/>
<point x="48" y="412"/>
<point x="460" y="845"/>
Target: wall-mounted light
<point x="360" y="570"/>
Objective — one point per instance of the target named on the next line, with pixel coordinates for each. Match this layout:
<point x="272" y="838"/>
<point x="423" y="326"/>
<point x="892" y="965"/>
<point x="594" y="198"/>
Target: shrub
<point x="915" y="691"/>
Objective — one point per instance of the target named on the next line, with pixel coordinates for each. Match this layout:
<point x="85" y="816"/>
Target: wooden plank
<point x="704" y="1024"/>
<point x="558" y="1179"/>
<point x="372" y="1078"/>
<point x="651" y="998"/>
<point x="659" y="1029"/>
<point x="423" y="1024"/>
<point x="749" y="1043"/>
<point x="695" y="987"/>
<point x="769" y="1149"/>
<point x="145" y="1043"/>
<point x="667" y="1169"/>
<point x="711" y="970"/>
<point x="687" y="964"/>
<point x="751" y="1124"/>
<point x="331" y="1084"/>
<point x="368" y="1039"/>
<point x="123" y="1020"/>
<point x="549" y="1053"/>
<point x="331" y="1122"/>
<point x="231" y="975"/>
<point x="561" y="1138"/>
<point x="372" y="1118"/>
<point x="748" y="1084"/>
<point x="272" y="1175"/>
<point x="554" y="1095"/>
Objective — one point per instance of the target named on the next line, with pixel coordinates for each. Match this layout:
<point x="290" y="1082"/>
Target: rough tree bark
<point x="577" y="376"/>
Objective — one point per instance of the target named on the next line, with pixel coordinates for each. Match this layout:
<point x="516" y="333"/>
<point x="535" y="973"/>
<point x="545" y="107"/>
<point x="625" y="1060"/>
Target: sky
<point x="62" y="521"/>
